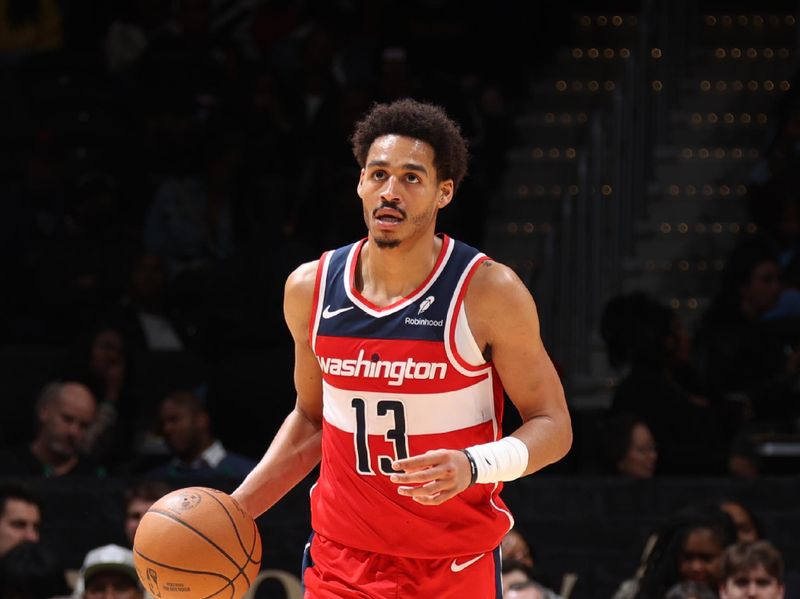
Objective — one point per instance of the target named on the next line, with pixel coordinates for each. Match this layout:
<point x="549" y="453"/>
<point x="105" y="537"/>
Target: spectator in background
<point x="741" y="355"/>
<point x="518" y="578"/>
<point x="686" y="547"/>
<point x="527" y="590"/>
<point x="627" y="447"/>
<point x="752" y="571"/>
<point x="20" y="516"/>
<point x="515" y="547"/>
<point x="146" y="312"/>
<point x="517" y="552"/>
<point x="102" y="362"/>
<point x="108" y="571"/>
<point x="748" y="527"/>
<point x="648" y="342"/>
<point x="190" y="220"/>
<point x="65" y="411"/>
<point x="688" y="589"/>
<point x="185" y="423"/>
<point x="138" y="499"/>
<point x="787" y="308"/>
<point x="31" y="571"/>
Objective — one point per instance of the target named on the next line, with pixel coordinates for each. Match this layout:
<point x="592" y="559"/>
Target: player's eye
<point x="412" y="178"/>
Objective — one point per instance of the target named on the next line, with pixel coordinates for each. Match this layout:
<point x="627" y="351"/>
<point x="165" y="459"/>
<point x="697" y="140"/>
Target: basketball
<point x="197" y="542"/>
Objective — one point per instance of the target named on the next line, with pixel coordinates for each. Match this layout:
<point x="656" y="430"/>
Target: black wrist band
<point x="473" y="468"/>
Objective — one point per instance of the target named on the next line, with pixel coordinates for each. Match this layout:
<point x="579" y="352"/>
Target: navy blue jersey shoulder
<point x="423" y="318"/>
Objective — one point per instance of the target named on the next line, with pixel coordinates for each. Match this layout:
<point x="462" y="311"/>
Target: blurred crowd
<point x="165" y="165"/>
<point x="708" y="399"/>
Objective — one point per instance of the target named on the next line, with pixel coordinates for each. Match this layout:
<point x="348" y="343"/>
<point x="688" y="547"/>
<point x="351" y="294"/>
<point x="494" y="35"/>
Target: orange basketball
<point x="197" y="543"/>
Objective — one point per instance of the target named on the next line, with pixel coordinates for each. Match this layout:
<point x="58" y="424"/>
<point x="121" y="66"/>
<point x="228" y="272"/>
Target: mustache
<point x="389" y="207"/>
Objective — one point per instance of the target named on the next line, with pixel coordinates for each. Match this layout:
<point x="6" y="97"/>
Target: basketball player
<point x="404" y="343"/>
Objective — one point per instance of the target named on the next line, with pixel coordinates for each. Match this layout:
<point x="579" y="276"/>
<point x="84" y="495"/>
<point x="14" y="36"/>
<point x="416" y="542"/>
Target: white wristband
<point x="501" y="460"/>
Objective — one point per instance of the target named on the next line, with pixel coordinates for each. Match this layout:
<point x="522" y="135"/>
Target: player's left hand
<point x="433" y="477"/>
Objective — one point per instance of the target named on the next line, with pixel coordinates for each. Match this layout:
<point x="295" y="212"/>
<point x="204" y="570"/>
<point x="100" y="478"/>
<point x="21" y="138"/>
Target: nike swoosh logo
<point x="328" y="313"/>
<point x="456" y="567"/>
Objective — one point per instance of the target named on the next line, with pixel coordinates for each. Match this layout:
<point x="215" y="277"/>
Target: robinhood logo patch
<point x="395" y="371"/>
<point x="426" y="303"/>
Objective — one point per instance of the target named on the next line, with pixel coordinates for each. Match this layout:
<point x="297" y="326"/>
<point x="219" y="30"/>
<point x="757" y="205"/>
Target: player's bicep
<point x="507" y="320"/>
<point x="520" y="358"/>
<point x="298" y="307"/>
<point x="308" y="382"/>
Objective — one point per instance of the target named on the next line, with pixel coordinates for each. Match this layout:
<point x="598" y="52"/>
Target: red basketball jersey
<point x="396" y="385"/>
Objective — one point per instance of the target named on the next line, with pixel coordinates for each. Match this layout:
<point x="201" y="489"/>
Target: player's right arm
<point x="297" y="447"/>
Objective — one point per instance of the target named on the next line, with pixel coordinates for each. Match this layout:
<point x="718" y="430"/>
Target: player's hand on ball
<point x="433" y="477"/>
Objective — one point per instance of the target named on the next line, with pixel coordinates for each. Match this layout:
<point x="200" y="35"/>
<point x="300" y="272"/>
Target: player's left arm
<point x="503" y="319"/>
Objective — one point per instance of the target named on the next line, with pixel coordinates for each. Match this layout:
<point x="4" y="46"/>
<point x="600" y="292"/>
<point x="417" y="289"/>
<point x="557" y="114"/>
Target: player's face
<point x="19" y="522"/>
<point x="66" y="418"/>
<point x="752" y="584"/>
<point x="400" y="190"/>
<point x="699" y="558"/>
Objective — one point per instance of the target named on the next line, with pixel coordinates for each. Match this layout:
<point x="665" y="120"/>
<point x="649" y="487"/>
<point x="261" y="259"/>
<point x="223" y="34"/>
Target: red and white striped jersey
<point x="398" y="381"/>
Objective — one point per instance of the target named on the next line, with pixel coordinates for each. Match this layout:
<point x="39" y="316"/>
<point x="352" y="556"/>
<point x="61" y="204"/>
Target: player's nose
<point x="389" y="192"/>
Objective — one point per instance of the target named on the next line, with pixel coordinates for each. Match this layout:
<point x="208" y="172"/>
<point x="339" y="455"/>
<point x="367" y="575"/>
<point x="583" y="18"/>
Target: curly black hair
<point x="419" y="120"/>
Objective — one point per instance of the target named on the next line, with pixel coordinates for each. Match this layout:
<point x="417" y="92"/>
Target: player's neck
<point x="386" y="275"/>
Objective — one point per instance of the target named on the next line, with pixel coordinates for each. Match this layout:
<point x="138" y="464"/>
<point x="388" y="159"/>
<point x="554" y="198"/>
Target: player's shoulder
<point x="493" y="277"/>
<point x="496" y="290"/>
<point x="303" y="278"/>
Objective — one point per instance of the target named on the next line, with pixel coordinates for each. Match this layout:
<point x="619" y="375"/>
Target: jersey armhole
<point x="465" y="345"/>
<point x="456" y="337"/>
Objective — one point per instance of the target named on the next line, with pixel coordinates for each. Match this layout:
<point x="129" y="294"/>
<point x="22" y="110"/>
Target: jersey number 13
<point x="397" y="434"/>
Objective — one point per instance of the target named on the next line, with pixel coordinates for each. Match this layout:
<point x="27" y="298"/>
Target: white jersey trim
<point x="426" y="414"/>
<point x="451" y="351"/>
<point x="466" y="346"/>
<point x="403" y="304"/>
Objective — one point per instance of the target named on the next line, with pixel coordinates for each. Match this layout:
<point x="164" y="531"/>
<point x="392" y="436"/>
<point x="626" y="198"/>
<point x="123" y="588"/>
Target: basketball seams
<point x="187" y="570"/>
<point x="253" y="547"/>
<point x="231" y="519"/>
<point x="229" y="582"/>
<point x="204" y="537"/>
<point x="236" y="528"/>
<point x="207" y="524"/>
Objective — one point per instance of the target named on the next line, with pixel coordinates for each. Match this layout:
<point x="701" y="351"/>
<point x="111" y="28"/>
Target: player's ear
<point x="445" y="193"/>
<point x="360" y="182"/>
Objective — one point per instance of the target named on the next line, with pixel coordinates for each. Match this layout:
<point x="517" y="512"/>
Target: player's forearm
<point x="294" y="452"/>
<point x="548" y="438"/>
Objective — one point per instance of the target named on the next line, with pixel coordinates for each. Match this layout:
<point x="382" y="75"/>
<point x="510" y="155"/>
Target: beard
<point x="387" y="244"/>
